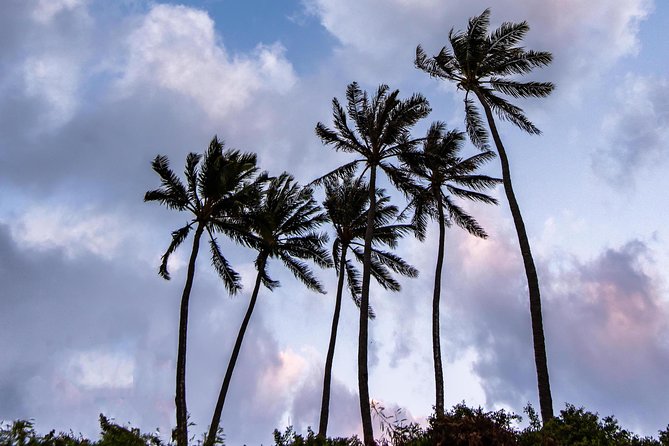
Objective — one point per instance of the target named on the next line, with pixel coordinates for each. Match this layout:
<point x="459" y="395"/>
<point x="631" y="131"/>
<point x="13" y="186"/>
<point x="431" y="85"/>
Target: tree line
<point x="228" y="195"/>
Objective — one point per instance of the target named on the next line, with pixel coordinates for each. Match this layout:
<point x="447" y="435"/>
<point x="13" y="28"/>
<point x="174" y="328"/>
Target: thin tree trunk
<point x="436" y="344"/>
<point x="363" y="336"/>
<point x="543" y="381"/>
<point x="180" y="398"/>
<point x="216" y="418"/>
<point x="325" y="403"/>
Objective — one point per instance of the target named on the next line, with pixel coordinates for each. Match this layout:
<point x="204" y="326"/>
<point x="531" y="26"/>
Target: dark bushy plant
<point x="579" y="427"/>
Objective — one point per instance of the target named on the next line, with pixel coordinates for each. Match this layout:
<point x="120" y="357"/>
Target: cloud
<point x="43" y="228"/>
<point x="586" y="38"/>
<point x="596" y="311"/>
<point x="635" y="133"/>
<point x="176" y="48"/>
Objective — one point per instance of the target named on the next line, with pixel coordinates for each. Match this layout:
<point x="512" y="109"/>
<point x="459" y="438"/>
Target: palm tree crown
<point x="346" y="204"/>
<point x="485" y="64"/>
<point x="442" y="175"/>
<point x="218" y="190"/>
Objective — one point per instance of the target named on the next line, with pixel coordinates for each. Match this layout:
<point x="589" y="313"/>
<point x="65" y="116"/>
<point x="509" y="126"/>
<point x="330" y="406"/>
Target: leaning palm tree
<point x="217" y="189"/>
<point x="381" y="132"/>
<point x="346" y="205"/>
<point x="283" y="226"/>
<point x="484" y="64"/>
<point x="441" y="177"/>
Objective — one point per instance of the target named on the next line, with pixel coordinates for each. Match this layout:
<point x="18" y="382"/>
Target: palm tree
<point x="346" y="204"/>
<point x="381" y="133"/>
<point x="283" y="226"/>
<point x="216" y="191"/>
<point x="442" y="175"/>
<point x="483" y="64"/>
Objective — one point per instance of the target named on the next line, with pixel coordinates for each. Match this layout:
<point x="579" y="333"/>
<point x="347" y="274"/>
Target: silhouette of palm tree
<point x="381" y="133"/>
<point x="346" y="204"/>
<point x="217" y="190"/>
<point x="283" y="226"/>
<point x="482" y="64"/>
<point x="442" y="176"/>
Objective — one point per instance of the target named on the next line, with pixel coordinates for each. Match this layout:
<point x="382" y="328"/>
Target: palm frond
<point x="172" y="192"/>
<point x="302" y="272"/>
<point x="178" y="237"/>
<point x="464" y="220"/>
<point x="230" y="277"/>
<point x="522" y="89"/>
<point x="394" y="262"/>
<point x="478" y="135"/>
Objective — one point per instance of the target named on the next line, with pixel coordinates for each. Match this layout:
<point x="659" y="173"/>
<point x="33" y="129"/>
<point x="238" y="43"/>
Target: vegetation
<point x="460" y="426"/>
<point x="487" y="65"/>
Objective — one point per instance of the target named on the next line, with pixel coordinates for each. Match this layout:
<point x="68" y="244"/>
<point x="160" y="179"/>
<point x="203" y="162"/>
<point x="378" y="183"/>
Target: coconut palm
<point x="442" y="176"/>
<point x="283" y="226"/>
<point x="217" y="189"/>
<point x="485" y="65"/>
<point x="346" y="204"/>
<point x="381" y="132"/>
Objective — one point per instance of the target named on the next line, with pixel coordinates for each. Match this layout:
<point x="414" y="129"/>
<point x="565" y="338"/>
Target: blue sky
<point x="91" y="91"/>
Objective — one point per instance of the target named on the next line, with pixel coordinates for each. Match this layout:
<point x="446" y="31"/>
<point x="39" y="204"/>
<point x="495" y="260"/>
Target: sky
<point x="91" y="91"/>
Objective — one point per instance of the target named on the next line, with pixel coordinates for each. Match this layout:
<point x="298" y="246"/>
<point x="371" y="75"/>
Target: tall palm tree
<point x="486" y="65"/>
<point x="381" y="132"/>
<point x="346" y="205"/>
<point x="217" y="189"/>
<point x="283" y="226"/>
<point x="442" y="176"/>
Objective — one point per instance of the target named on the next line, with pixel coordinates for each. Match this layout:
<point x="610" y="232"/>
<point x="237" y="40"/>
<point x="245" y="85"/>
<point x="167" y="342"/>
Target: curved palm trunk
<point x="325" y="403"/>
<point x="363" y="335"/>
<point x="216" y="418"/>
<point x="545" y="398"/>
<point x="436" y="344"/>
<point x="180" y="398"/>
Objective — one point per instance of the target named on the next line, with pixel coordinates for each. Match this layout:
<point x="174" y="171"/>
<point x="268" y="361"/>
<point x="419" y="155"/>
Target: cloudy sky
<point x="91" y="91"/>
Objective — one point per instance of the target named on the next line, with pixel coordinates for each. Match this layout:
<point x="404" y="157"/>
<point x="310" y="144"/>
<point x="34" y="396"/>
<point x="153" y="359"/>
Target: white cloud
<point x="101" y="370"/>
<point x="635" y="134"/>
<point x="75" y="232"/>
<point x="176" y="48"/>
<point x="54" y="78"/>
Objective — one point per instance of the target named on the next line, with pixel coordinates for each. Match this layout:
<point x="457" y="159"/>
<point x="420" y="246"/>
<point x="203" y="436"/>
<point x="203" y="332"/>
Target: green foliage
<point x="113" y="434"/>
<point x="22" y="433"/>
<point x="464" y="426"/>
<point x="579" y="427"/>
<point x="460" y="426"/>
<point x="291" y="438"/>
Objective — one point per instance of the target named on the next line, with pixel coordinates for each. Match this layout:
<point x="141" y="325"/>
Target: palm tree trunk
<point x="325" y="403"/>
<point x="363" y="335"/>
<point x="436" y="344"/>
<point x="180" y="398"/>
<point x="543" y="382"/>
<point x="216" y="418"/>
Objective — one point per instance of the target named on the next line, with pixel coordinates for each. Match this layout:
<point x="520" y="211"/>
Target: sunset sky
<point x="92" y="90"/>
